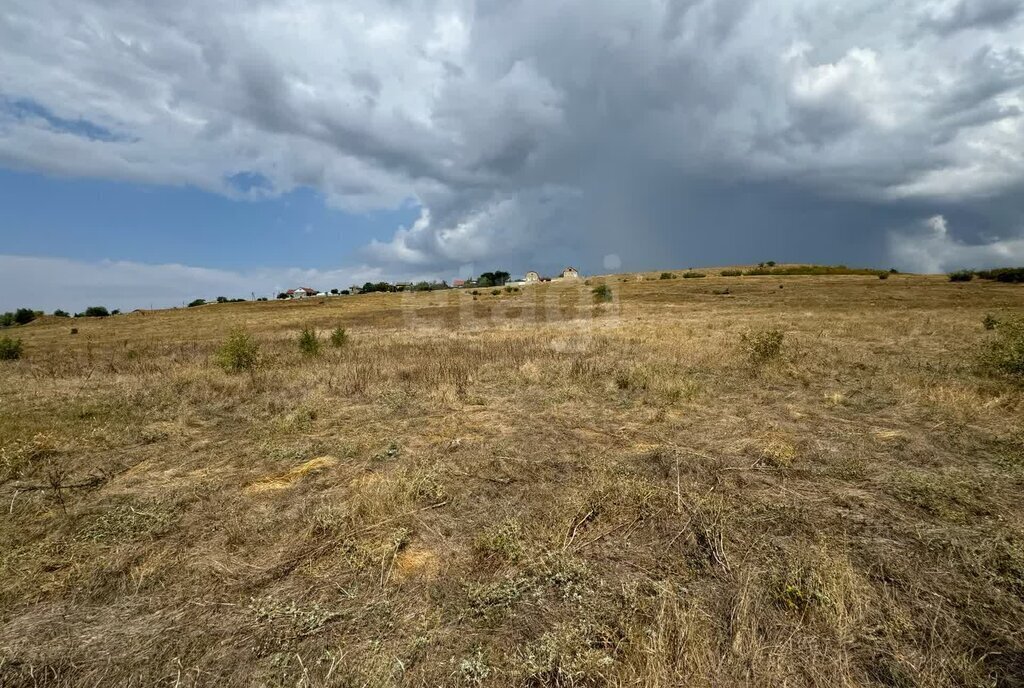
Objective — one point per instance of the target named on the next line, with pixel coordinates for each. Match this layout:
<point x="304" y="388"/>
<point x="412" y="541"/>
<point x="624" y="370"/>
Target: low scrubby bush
<point x="693" y="275"/>
<point x="239" y="352"/>
<point x="961" y="276"/>
<point x="763" y="346"/>
<point x="731" y="273"/>
<point x="602" y="292"/>
<point x="197" y="302"/>
<point x="883" y="275"/>
<point x="10" y="349"/>
<point x="667" y="275"/>
<point x="61" y="314"/>
<point x="96" y="312"/>
<point x="339" y="337"/>
<point x="309" y="343"/>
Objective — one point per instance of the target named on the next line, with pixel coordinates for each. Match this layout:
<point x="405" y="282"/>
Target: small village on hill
<point x="487" y="279"/>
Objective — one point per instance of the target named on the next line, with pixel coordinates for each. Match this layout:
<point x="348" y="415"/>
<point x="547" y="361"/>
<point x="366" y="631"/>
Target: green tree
<point x="96" y="312"/>
<point x="60" y="314"/>
<point x="197" y="302"/>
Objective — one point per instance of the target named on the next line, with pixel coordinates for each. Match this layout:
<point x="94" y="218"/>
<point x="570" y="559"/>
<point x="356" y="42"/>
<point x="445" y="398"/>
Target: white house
<point x="301" y="292"/>
<point x="532" y="276"/>
<point x="570" y="273"/>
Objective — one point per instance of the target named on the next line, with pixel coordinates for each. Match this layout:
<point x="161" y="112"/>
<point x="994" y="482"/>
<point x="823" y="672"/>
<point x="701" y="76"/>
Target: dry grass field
<point x="522" y="489"/>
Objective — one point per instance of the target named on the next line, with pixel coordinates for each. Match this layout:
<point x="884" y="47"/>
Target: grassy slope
<point x="525" y="489"/>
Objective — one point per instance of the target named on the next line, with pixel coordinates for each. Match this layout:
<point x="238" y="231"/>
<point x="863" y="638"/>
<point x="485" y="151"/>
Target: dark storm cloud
<point x="532" y="132"/>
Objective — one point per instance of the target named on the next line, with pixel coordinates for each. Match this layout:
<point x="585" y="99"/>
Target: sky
<point x="153" y="152"/>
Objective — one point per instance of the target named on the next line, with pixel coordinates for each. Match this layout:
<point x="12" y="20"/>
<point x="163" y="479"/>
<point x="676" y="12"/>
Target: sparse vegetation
<point x="339" y="337"/>
<point x="961" y="276"/>
<point x="731" y="273"/>
<point x="10" y="349"/>
<point x="61" y="314"/>
<point x="197" y="302"/>
<point x="529" y="491"/>
<point x="769" y="269"/>
<point x="763" y="345"/>
<point x="239" y="352"/>
<point x="693" y="275"/>
<point x="96" y="312"/>
<point x="309" y="341"/>
<point x="602" y="292"/>
<point x="667" y="276"/>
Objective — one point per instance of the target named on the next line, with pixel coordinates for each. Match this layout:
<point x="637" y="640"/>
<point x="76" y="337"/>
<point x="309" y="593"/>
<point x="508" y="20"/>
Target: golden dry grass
<point x="527" y="489"/>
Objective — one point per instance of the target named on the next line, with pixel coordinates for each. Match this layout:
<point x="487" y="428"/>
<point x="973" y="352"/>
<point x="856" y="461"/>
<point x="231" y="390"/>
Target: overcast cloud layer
<point x="537" y="132"/>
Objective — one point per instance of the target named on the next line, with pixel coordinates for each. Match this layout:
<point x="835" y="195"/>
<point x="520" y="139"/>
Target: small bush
<point x="693" y="275"/>
<point x="667" y="275"/>
<point x="763" y="346"/>
<point x="961" y="276"/>
<point x="10" y="349"/>
<point x="240" y="352"/>
<point x="602" y="292"/>
<point x="1005" y="355"/>
<point x="989" y="322"/>
<point x="197" y="302"/>
<point x="495" y="292"/>
<point x="309" y="343"/>
<point x="731" y="273"/>
<point x="339" y="337"/>
<point x="96" y="312"/>
<point x="883" y="275"/>
<point x="23" y="316"/>
<point x="61" y="314"/>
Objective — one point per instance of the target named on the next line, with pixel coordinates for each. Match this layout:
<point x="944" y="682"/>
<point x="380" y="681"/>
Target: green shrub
<point x="667" y="275"/>
<point x="239" y="352"/>
<point x="763" y="346"/>
<point x="1012" y="275"/>
<point x="96" y="312"/>
<point x="495" y="292"/>
<point x="339" y="337"/>
<point x="197" y="302"/>
<point x="602" y="292"/>
<point x="1005" y="354"/>
<point x="961" y="276"/>
<point x="309" y="343"/>
<point x="883" y="275"/>
<point x="23" y="316"/>
<point x="989" y="322"/>
<point x="10" y="349"/>
<point x="731" y="273"/>
<point x="60" y="314"/>
<point x="693" y="275"/>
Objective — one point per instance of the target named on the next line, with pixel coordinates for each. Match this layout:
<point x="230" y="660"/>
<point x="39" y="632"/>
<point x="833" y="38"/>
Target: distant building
<point x="301" y="293"/>
<point x="458" y="283"/>
<point x="532" y="276"/>
<point x="570" y="273"/>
